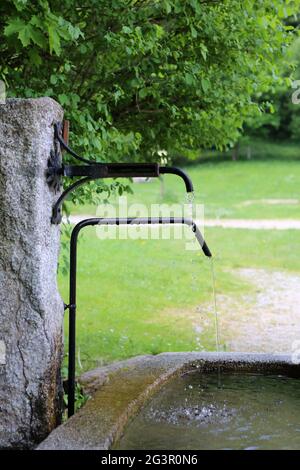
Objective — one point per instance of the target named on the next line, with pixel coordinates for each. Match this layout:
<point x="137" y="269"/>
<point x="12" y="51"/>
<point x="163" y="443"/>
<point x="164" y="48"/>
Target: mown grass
<point x="141" y="296"/>
<point x="244" y="189"/>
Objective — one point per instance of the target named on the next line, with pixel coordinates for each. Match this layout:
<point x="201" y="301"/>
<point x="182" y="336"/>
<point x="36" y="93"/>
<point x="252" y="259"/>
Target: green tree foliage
<point x="293" y="120"/>
<point x="280" y="116"/>
<point x="282" y="119"/>
<point x="138" y="76"/>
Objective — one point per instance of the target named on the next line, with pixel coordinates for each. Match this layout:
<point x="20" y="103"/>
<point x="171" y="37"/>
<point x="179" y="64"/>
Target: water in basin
<point x="247" y="411"/>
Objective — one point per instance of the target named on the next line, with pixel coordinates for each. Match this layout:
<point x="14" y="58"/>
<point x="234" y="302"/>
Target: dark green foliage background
<point x="136" y="77"/>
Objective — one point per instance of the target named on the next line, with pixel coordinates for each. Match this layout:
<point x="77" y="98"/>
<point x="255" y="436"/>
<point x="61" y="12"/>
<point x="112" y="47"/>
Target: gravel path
<point x="267" y="320"/>
<point x="255" y="224"/>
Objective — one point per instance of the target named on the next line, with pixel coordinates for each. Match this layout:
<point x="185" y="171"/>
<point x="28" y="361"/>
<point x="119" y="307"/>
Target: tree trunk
<point x="235" y="151"/>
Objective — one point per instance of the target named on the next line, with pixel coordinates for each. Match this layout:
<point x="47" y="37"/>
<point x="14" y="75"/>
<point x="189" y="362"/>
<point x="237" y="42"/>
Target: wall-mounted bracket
<point x="94" y="170"/>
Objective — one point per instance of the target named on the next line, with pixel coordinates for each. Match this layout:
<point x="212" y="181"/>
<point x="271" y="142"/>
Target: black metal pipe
<point x="73" y="280"/>
<point x="94" y="170"/>
<point x="72" y="358"/>
<point x="111" y="170"/>
<point x="56" y="211"/>
<point x="177" y="171"/>
<point x="132" y="170"/>
<point x="72" y="320"/>
<point x="126" y="170"/>
<point x="58" y="129"/>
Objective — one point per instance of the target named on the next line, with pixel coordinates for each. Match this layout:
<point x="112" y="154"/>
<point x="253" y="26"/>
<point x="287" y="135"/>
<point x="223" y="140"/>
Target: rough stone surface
<point x="120" y="390"/>
<point x="31" y="309"/>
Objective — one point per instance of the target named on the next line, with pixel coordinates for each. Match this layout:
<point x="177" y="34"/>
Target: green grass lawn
<point x="142" y="296"/>
<point x="230" y="189"/>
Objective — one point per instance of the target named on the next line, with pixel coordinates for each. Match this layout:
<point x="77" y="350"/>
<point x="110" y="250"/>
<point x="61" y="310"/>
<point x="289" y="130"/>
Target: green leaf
<point x="37" y="21"/>
<point x="54" y="41"/>
<point x="126" y="30"/>
<point x="204" y="50"/>
<point x="194" y="32"/>
<point x="204" y="84"/>
<point x="15" y="25"/>
<point x="196" y="5"/>
<point x="37" y="37"/>
<point x="167" y="7"/>
<point x="53" y="79"/>
<point x="20" y="4"/>
<point x="25" y="36"/>
<point x="63" y="99"/>
<point x="189" y="79"/>
<point x="27" y="33"/>
<point x="34" y="56"/>
<point x="143" y="92"/>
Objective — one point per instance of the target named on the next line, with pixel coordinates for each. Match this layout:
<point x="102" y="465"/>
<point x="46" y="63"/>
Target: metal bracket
<point x="91" y="171"/>
<point x="94" y="170"/>
<point x="56" y="170"/>
<point x="53" y="175"/>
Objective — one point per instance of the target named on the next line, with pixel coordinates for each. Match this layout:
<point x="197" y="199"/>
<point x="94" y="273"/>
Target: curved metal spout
<point x="113" y="170"/>
<point x="145" y="221"/>
<point x="73" y="281"/>
<point x="177" y="171"/>
<point x="93" y="170"/>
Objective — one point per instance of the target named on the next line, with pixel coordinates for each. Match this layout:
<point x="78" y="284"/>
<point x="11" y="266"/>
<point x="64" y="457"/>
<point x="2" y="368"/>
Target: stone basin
<point x="118" y="392"/>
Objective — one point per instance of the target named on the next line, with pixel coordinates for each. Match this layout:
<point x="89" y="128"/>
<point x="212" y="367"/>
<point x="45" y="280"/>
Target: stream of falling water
<point x="190" y="201"/>
<point x="217" y="327"/>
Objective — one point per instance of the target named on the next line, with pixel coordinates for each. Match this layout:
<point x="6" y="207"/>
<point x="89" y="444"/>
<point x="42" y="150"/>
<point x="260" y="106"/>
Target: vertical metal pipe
<point x="73" y="269"/>
<point x="72" y="346"/>
<point x="72" y="323"/>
